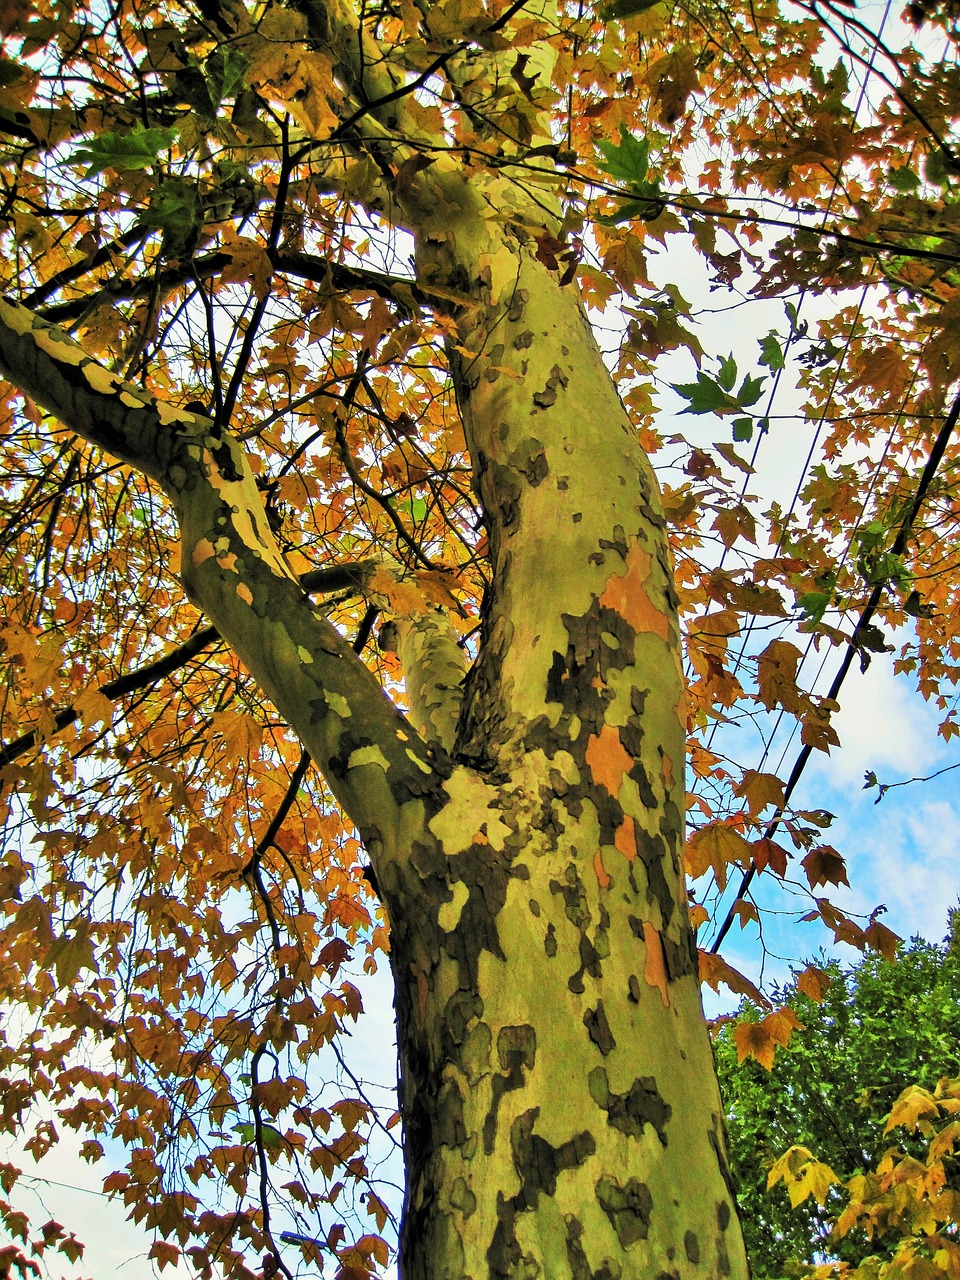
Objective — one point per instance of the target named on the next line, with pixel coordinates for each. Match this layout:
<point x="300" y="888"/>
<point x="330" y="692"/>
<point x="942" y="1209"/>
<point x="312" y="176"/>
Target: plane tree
<point x="298" y="346"/>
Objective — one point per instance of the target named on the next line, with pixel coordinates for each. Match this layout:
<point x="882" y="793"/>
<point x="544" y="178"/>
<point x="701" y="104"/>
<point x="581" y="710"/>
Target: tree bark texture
<point x="561" y="1113"/>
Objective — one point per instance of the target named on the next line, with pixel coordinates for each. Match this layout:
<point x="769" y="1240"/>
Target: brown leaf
<point x="824" y="865"/>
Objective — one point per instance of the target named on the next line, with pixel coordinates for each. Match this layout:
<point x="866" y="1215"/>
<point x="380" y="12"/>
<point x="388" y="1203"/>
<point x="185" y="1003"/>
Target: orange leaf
<point x="813" y="983"/>
<point x="714" y="970"/>
<point x="714" y="847"/>
<point x="777" y="675"/>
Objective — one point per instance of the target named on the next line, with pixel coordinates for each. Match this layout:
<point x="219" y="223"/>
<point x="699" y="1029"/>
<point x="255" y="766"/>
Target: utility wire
<point x="853" y="646"/>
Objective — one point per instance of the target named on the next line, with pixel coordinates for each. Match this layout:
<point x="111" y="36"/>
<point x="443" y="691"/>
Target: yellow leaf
<point x="241" y="734"/>
<point x="760" y="790"/>
<point x="405" y="598"/>
<point x="803" y="1176"/>
<point x="912" y="1107"/>
<point x="714" y="847"/>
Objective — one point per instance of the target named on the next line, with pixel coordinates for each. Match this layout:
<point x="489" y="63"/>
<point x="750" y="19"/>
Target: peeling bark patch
<point x="222" y="455"/>
<point x="631" y="1111"/>
<point x="516" y="1050"/>
<point x="577" y="1258"/>
<point x="607" y="759"/>
<point x="538" y="1165"/>
<point x="598" y="1028"/>
<point x="462" y="1198"/>
<point x="548" y="396"/>
<point x="628" y="1207"/>
<point x="530" y="459"/>
<point x="655" y="970"/>
<point x="627" y="595"/>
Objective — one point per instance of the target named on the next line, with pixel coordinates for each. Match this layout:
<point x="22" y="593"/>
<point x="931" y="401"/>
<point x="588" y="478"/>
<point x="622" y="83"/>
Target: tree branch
<point x="373" y="760"/>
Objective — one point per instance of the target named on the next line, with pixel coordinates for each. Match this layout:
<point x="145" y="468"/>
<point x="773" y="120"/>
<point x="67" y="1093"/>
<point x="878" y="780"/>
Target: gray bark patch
<point x="598" y="1028"/>
<point x="576" y="1256"/>
<point x="538" y="1164"/>
<point x="631" y="1111"/>
<point x="516" y="1049"/>
<point x="628" y="1207"/>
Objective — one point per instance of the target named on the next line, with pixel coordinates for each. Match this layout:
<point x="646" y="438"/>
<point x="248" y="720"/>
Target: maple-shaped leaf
<point x="824" y="865"/>
<point x="71" y="953"/>
<point x="813" y="983"/>
<point x="672" y="79"/>
<point x="706" y="395"/>
<point x="164" y="1254"/>
<point x="138" y="149"/>
<point x="767" y="853"/>
<point x="882" y="939"/>
<point x="714" y="970"/>
<point x="912" y="1109"/>
<point x="777" y="668"/>
<point x="803" y="1176"/>
<point x="760" y="1040"/>
<point x="627" y="160"/>
<point x="760" y="790"/>
<point x="714" y="847"/>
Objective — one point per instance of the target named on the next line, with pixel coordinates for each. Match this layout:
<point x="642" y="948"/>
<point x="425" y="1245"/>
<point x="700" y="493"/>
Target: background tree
<point x="326" y="268"/>
<point x="870" y="1032"/>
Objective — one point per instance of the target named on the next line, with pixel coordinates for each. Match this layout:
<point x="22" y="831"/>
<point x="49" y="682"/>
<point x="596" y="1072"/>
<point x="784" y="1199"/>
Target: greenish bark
<point x="561" y="1113"/>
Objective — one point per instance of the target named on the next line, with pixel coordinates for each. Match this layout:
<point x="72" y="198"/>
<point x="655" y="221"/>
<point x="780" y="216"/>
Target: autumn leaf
<point x="813" y="983"/>
<point x="714" y="848"/>
<point x="714" y="970"/>
<point x="803" y="1176"/>
<point x="761" y="1039"/>
<point x="760" y="790"/>
<point x="824" y="865"/>
<point x="672" y="79"/>
<point x="777" y="669"/>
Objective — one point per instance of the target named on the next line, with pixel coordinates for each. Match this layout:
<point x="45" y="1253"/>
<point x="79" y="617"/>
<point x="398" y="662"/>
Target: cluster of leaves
<point x="201" y="195"/>
<point x="808" y="1122"/>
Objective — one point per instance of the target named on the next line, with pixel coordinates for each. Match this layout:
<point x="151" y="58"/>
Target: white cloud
<point x="907" y="858"/>
<point x="883" y="725"/>
<point x="66" y="1189"/>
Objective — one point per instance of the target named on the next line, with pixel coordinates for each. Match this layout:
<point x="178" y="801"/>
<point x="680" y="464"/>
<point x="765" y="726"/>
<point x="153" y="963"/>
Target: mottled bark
<point x="561" y="1113"/>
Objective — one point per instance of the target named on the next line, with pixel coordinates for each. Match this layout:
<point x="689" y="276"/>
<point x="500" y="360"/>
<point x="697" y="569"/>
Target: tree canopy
<point x="870" y="1032"/>
<point x="295" y="336"/>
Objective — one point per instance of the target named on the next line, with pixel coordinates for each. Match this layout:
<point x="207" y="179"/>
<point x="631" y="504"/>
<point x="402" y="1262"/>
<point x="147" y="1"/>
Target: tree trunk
<point x="561" y="1112"/>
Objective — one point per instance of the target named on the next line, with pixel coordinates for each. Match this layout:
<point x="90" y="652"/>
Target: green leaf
<point x="742" y="429"/>
<point x="138" y="149"/>
<point x="935" y="168"/>
<point x="771" y="352"/>
<point x="642" y="209"/>
<point x="627" y="162"/>
<point x="705" y="396"/>
<point x="225" y="69"/>
<point x="728" y="373"/>
<point x="903" y="179"/>
<point x="814" y="604"/>
<point x="751" y="389"/>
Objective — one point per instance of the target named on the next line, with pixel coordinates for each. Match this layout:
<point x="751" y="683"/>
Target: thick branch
<point x="404" y="293"/>
<point x="434" y="669"/>
<point x="374" y="761"/>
